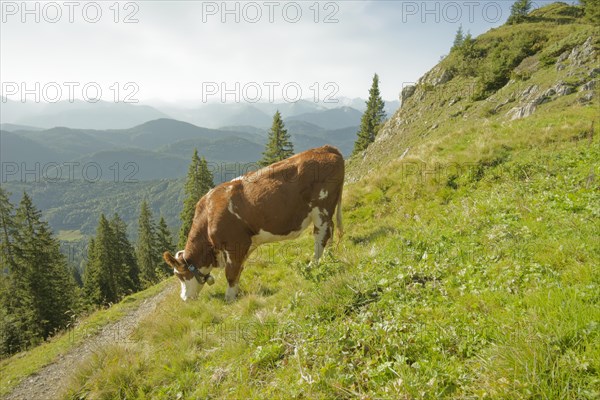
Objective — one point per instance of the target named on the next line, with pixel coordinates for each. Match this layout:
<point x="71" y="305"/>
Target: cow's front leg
<point x="233" y="270"/>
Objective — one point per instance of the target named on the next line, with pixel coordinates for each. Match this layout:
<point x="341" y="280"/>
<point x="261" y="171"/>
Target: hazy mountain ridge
<point x="16" y="127"/>
<point x="334" y="118"/>
<point x="78" y="114"/>
<point x="170" y="142"/>
<point x="103" y="115"/>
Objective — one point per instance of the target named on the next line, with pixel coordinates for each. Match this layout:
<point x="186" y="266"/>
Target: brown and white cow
<point x="274" y="203"/>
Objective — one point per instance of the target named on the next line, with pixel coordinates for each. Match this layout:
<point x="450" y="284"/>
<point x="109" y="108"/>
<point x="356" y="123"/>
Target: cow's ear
<point x="170" y="260"/>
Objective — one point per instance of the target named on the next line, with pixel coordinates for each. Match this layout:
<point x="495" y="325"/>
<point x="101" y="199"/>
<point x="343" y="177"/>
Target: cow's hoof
<point x="231" y="294"/>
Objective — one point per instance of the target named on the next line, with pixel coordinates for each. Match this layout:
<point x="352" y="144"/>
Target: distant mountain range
<point x="78" y="114"/>
<point x="334" y="118"/>
<point x="107" y="115"/>
<point x="156" y="149"/>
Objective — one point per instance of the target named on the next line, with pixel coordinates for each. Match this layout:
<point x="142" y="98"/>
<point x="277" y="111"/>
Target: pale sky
<point x="190" y="51"/>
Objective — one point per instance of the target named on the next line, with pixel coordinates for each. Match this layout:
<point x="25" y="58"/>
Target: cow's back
<point x="280" y="197"/>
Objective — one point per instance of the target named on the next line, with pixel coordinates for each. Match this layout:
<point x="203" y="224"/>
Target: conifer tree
<point x="18" y="324"/>
<point x="8" y="229"/>
<point x="92" y="291"/>
<point x="164" y="242"/>
<point x="519" y="11"/>
<point x="279" y="145"/>
<point x="459" y="38"/>
<point x="9" y="333"/>
<point x="199" y="181"/>
<point x="100" y="284"/>
<point x="111" y="271"/>
<point x="43" y="282"/>
<point x="372" y="118"/>
<point x="127" y="270"/>
<point x="147" y="252"/>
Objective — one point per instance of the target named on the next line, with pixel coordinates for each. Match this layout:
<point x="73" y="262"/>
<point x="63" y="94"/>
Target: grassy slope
<point x="469" y="269"/>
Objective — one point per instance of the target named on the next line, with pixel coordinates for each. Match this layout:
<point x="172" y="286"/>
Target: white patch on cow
<point x="268" y="237"/>
<point x="323" y="194"/>
<point x="230" y="208"/>
<point x="239" y="178"/>
<point x="319" y="220"/>
<point x="190" y="289"/>
<point x="231" y="293"/>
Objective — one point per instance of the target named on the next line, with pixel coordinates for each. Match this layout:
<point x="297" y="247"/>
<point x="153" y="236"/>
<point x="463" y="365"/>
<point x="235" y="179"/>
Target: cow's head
<point x="192" y="279"/>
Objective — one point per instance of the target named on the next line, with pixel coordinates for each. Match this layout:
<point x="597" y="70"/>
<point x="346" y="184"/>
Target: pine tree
<point x="164" y="242"/>
<point x="146" y="251"/>
<point x="22" y="303"/>
<point x="18" y="320"/>
<point x="91" y="290"/>
<point x="458" y="38"/>
<point x="8" y="228"/>
<point x="43" y="287"/>
<point x="127" y="272"/>
<point x="279" y="145"/>
<point x="111" y="271"/>
<point x="100" y="285"/>
<point x="372" y="118"/>
<point x="199" y="182"/>
<point x="519" y="11"/>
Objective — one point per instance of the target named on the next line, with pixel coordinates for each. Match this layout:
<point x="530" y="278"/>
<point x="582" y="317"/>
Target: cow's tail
<point x="338" y="216"/>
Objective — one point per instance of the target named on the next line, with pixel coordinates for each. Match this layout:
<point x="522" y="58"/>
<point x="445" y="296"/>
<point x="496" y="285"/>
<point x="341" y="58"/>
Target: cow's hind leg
<point x="322" y="232"/>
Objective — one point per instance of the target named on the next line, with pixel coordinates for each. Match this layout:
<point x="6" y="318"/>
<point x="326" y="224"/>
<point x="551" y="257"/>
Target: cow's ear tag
<point x="210" y="280"/>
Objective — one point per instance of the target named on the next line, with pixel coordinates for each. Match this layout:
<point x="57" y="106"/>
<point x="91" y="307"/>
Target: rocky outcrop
<point x="437" y="76"/>
<point x="407" y="92"/>
<point x="575" y="59"/>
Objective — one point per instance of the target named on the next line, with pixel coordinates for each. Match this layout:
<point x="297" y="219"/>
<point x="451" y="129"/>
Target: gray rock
<point x="407" y="92"/>
<point x="562" y="89"/>
<point x="591" y="85"/>
<point x="586" y="98"/>
<point x="581" y="53"/>
<point x="530" y="90"/>
<point x="522" y="112"/>
<point x="563" y="56"/>
<point x="445" y="76"/>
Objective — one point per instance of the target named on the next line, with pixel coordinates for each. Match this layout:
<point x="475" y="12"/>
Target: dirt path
<point x="51" y="380"/>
